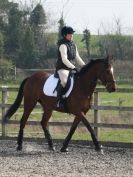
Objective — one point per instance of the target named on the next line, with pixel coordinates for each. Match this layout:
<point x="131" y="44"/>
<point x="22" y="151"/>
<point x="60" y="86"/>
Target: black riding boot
<point x="59" y="95"/>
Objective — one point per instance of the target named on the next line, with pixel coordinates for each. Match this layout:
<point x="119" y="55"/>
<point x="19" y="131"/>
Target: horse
<point x="78" y="102"/>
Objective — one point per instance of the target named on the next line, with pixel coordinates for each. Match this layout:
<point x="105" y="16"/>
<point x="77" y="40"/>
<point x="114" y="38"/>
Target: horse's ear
<point x="109" y="58"/>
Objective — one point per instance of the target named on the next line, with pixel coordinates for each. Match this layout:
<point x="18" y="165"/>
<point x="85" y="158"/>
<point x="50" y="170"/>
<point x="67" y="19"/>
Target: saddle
<point x="52" y="83"/>
<point x="56" y="75"/>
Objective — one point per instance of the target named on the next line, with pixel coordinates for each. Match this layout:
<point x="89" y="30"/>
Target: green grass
<point x="77" y="40"/>
<point x="108" y="134"/>
<point x="114" y="135"/>
<point x="114" y="98"/>
<point x="126" y="99"/>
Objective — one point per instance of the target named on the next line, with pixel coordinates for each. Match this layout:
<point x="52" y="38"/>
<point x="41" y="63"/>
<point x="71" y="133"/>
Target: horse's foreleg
<point x="45" y="119"/>
<point x="88" y="126"/>
<point x="69" y="136"/>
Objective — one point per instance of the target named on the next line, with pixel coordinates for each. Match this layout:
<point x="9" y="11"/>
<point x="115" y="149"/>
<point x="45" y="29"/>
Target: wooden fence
<point x="96" y="107"/>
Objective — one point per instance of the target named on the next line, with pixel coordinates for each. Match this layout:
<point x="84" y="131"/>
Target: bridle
<point x="108" y="82"/>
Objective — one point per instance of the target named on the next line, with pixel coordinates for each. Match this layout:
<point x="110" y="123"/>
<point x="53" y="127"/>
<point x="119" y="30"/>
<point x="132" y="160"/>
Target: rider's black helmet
<point x="67" y="30"/>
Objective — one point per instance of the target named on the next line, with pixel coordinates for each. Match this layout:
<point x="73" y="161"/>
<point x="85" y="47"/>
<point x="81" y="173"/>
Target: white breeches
<point x="63" y="74"/>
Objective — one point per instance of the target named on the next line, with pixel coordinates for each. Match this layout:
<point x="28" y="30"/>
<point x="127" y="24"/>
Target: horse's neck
<point x="89" y="81"/>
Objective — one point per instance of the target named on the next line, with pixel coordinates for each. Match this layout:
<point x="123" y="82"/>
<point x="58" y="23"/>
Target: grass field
<point x="106" y="116"/>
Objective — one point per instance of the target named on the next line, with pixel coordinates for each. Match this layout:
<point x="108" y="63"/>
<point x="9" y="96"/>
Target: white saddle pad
<point x="51" y="84"/>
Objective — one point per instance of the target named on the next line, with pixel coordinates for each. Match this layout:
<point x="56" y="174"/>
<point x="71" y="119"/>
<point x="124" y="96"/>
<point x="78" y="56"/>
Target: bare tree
<point x="112" y="39"/>
<point x="61" y="21"/>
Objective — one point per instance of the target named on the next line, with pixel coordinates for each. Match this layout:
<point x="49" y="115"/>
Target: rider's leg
<point x="63" y="74"/>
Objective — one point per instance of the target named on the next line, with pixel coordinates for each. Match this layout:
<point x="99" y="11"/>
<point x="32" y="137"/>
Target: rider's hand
<point x="75" y="70"/>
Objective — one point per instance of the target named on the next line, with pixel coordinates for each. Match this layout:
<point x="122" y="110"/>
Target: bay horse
<point x="78" y="102"/>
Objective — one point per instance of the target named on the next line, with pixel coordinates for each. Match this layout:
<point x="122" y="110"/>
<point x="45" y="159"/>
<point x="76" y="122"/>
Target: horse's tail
<point x="16" y="103"/>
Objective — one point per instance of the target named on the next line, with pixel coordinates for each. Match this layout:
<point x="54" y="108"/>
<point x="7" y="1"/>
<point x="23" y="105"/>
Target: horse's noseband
<point x="107" y="83"/>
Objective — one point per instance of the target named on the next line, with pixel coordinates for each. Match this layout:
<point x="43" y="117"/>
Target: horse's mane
<point x="89" y="65"/>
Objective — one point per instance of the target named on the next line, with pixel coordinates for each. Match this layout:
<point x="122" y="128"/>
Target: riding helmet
<point x="67" y="30"/>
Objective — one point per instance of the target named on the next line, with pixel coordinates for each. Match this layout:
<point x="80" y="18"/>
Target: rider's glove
<point x="75" y="70"/>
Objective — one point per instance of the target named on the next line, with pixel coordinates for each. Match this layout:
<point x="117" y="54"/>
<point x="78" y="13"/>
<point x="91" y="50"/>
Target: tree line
<point x="26" y="43"/>
<point x="22" y="35"/>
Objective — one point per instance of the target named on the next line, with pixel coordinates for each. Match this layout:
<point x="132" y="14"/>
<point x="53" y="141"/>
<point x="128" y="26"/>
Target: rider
<point x="67" y="55"/>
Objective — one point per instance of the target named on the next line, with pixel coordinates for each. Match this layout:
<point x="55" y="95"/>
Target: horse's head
<point x="105" y="75"/>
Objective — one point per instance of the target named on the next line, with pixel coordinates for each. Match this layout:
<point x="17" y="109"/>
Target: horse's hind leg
<point x="46" y="116"/>
<point x="28" y="107"/>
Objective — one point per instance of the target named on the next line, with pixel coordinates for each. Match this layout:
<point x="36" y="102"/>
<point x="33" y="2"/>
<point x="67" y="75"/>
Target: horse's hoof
<point x="52" y="149"/>
<point x="64" y="150"/>
<point x="19" y="148"/>
<point x="100" y="150"/>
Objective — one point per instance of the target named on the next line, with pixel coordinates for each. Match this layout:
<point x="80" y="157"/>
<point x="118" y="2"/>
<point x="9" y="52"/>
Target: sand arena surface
<point x="82" y="161"/>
